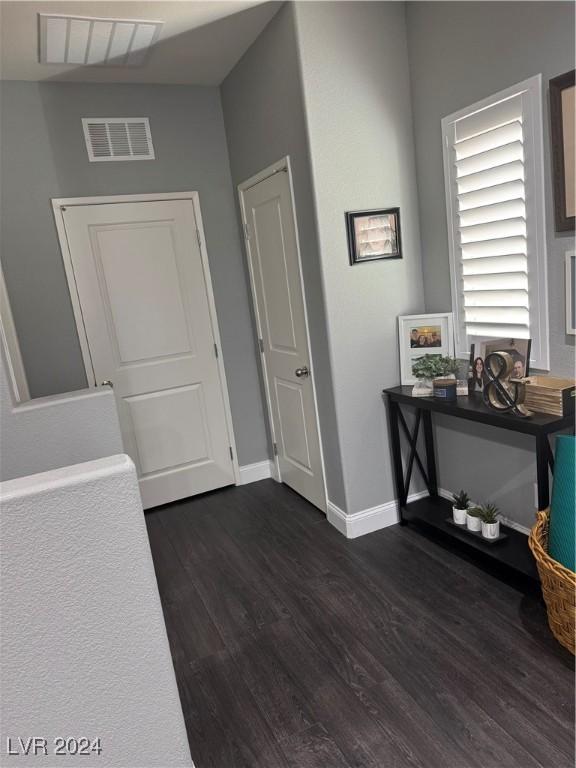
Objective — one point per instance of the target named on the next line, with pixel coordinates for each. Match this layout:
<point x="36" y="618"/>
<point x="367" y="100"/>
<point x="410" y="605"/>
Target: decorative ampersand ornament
<point x="501" y="392"/>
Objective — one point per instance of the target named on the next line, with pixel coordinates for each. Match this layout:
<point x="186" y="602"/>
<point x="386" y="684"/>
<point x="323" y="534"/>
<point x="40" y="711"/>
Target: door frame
<point x="60" y="204"/>
<point x="281" y="166"/>
<point x="14" y="363"/>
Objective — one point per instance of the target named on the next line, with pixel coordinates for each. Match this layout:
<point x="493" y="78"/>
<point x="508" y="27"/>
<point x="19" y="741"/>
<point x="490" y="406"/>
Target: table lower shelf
<point x="511" y="553"/>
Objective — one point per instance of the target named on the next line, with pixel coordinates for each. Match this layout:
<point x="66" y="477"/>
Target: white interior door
<point x="146" y="303"/>
<point x="279" y="299"/>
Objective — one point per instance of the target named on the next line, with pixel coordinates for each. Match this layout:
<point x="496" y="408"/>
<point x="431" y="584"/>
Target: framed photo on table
<point x="518" y="349"/>
<point x="421" y="335"/>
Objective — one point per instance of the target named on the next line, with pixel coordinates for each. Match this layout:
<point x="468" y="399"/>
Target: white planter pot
<point x="473" y="523"/>
<point x="491" y="530"/>
<point x="423" y="388"/>
<point x="459" y="516"/>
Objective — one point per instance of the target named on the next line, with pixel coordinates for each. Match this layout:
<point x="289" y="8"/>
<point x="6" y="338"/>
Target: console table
<point x="432" y="511"/>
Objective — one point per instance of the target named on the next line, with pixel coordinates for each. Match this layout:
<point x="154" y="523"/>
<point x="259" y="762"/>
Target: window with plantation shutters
<point x="493" y="165"/>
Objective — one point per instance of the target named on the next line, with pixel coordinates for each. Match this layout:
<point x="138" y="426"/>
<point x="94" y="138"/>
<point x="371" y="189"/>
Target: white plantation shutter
<point x="493" y="164"/>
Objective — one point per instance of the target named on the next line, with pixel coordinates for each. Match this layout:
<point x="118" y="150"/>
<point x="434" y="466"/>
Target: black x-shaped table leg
<point x="429" y="476"/>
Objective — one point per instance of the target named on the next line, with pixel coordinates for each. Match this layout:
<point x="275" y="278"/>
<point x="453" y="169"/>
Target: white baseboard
<point x="261" y="470"/>
<point x="367" y="520"/>
<point x="515" y="525"/>
<point x="363" y="522"/>
<point x="274" y="471"/>
<point x="375" y="518"/>
<point x="504" y="520"/>
<point x="357" y="523"/>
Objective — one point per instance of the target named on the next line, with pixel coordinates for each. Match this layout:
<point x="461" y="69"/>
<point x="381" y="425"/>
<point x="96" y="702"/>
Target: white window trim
<point x="536" y="221"/>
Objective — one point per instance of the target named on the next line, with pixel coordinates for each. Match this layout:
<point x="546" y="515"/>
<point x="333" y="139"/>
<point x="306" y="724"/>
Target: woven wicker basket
<point x="558" y="585"/>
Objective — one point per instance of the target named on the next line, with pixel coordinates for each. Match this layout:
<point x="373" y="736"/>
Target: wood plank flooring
<point x="294" y="647"/>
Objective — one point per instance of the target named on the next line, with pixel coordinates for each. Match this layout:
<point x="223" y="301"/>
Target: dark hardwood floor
<point x="296" y="647"/>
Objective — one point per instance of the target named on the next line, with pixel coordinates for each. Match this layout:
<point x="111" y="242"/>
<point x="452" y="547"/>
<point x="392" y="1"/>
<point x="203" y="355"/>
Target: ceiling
<point x="199" y="44"/>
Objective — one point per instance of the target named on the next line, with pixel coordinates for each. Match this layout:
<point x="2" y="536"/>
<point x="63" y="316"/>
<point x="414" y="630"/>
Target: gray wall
<point x="461" y="52"/>
<point x="354" y="61"/>
<point x="50" y="432"/>
<point x="43" y="156"/>
<point x="264" y="118"/>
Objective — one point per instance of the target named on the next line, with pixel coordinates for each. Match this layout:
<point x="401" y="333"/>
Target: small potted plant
<point x="490" y="523"/>
<point x="460" y="507"/>
<point x="473" y="519"/>
<point x="430" y="367"/>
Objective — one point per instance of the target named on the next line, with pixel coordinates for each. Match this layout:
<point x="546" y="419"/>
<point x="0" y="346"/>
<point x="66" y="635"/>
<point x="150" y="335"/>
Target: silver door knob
<point x="300" y="372"/>
<point x="107" y="383"/>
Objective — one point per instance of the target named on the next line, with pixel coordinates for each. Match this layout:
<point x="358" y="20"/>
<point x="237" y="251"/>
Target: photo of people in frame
<point x="519" y="368"/>
<point x="478" y="379"/>
<point x="519" y="351"/>
<point x="424" y="337"/>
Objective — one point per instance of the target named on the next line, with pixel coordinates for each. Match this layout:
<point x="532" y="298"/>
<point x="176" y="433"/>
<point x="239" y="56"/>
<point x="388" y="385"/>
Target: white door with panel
<point x="281" y="317"/>
<point x="146" y="303"/>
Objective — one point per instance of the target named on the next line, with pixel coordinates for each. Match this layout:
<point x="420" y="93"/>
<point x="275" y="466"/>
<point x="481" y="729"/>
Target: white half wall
<point x="84" y="646"/>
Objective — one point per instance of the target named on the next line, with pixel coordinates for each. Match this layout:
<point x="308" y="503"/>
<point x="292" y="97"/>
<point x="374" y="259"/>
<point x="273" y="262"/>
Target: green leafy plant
<point x="432" y="366"/>
<point x="461" y="500"/>
<point x="474" y="512"/>
<point x="489" y="513"/>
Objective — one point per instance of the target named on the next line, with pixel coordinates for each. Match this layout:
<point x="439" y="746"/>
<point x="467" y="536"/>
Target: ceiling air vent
<point x="80" y="40"/>
<point x="118" y="138"/>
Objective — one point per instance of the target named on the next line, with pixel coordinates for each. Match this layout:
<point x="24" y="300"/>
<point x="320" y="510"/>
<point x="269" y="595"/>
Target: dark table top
<point x="473" y="408"/>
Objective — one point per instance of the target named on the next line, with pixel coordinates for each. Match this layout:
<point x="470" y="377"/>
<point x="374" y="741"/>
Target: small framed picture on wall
<point x="373" y="235"/>
<point x="421" y="335"/>
<point x="563" y="135"/>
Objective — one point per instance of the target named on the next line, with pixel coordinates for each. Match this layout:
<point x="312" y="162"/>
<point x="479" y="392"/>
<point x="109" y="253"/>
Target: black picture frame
<point x="564" y="222"/>
<point x="354" y="248"/>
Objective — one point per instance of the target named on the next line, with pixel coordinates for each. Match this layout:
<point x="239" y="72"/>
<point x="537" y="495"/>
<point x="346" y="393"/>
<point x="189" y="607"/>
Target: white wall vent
<point x="80" y="40"/>
<point x="118" y="138"/>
